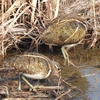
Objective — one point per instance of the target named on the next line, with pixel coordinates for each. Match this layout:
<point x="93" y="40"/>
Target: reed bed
<point x="23" y="21"/>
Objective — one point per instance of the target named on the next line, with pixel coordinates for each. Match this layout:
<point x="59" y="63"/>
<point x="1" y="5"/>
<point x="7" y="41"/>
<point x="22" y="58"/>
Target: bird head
<point x="56" y="71"/>
<point x="79" y="14"/>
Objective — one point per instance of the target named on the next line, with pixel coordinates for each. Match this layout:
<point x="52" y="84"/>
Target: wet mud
<point x="86" y="77"/>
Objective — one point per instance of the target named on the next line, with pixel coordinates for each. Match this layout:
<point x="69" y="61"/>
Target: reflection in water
<point x="90" y="60"/>
<point x="90" y="85"/>
<point x="92" y="93"/>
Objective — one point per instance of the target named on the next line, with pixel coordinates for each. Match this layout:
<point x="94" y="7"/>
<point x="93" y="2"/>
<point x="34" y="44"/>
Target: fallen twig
<point x="49" y="87"/>
<point x="73" y="87"/>
<point x="4" y="91"/>
<point x="65" y="93"/>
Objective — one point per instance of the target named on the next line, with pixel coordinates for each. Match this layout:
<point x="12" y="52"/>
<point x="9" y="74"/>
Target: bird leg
<point x="19" y="87"/>
<point x="50" y="47"/>
<point x="33" y="88"/>
<point x="19" y="83"/>
<point x="66" y="56"/>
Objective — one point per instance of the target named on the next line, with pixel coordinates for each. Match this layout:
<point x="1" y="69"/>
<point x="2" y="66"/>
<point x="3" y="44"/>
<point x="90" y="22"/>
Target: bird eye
<point x="80" y="14"/>
<point x="57" y="68"/>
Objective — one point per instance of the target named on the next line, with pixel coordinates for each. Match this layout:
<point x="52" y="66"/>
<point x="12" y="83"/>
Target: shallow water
<point x="93" y="90"/>
<point x="89" y="73"/>
<point x="86" y="78"/>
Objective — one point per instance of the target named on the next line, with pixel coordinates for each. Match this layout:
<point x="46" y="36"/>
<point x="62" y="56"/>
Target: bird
<point x="32" y="65"/>
<point x="66" y="31"/>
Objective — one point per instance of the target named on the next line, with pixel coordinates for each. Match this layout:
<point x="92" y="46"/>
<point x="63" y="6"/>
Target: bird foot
<point x="70" y="63"/>
<point x="19" y="89"/>
<point x="34" y="88"/>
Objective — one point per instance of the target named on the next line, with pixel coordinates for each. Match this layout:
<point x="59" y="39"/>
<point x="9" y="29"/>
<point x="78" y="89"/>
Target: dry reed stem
<point x="57" y="8"/>
<point x="2" y="46"/>
<point x="16" y="16"/>
<point x="15" y="5"/>
<point x="34" y="3"/>
<point x="95" y="26"/>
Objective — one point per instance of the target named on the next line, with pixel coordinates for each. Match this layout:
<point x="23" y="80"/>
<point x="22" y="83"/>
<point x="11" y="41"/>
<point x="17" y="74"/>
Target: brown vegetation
<point x="23" y="21"/>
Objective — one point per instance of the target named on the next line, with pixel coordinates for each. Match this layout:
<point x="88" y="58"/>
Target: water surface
<point x="89" y="73"/>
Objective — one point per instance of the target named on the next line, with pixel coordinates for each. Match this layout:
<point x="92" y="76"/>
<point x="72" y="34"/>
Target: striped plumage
<point x="33" y="65"/>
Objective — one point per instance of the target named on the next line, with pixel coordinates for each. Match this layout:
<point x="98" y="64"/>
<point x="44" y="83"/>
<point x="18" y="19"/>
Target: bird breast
<point x="64" y="32"/>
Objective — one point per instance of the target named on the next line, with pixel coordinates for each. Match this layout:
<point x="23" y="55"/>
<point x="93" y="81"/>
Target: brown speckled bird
<point x="65" y="31"/>
<point x="34" y="66"/>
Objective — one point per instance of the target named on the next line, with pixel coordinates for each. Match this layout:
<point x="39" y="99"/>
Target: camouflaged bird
<point x="33" y="65"/>
<point x="66" y="31"/>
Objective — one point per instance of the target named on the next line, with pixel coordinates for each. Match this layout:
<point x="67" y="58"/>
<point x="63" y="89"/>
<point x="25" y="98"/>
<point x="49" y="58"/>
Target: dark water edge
<point x="89" y="60"/>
